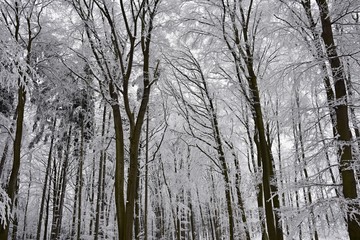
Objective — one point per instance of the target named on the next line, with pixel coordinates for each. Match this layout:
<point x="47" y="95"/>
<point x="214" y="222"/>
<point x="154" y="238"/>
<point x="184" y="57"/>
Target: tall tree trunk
<point x="56" y="192"/>
<point x="173" y="212"/>
<point x="15" y="222"/>
<point x="157" y="205"/>
<point x="80" y="181"/>
<point x="25" y="233"/>
<point x="302" y="162"/>
<point x="192" y="218"/>
<point x="239" y="194"/>
<point x="274" y="227"/>
<point x="354" y="120"/>
<point x="92" y="196"/>
<point x="204" y="224"/>
<point x="146" y="176"/>
<point x="260" y="195"/>
<point x="101" y="178"/>
<point x="326" y="152"/>
<point x="120" y="166"/>
<point x="219" y="147"/>
<point x="47" y="210"/>
<point x="256" y="166"/>
<point x="12" y="186"/>
<point x="225" y="173"/>
<point x="274" y="230"/>
<point x="342" y="127"/>
<point x="60" y="191"/>
<point x="3" y="158"/>
<point x="74" y="215"/>
<point x="45" y="188"/>
<point x="137" y="225"/>
<point x="320" y="56"/>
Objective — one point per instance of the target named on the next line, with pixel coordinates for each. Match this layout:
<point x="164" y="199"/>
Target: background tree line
<point x="184" y="119"/>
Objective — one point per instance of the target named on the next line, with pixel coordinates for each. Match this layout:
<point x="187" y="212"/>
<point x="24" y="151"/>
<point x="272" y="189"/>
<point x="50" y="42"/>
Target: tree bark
<point x="342" y="127"/>
<point x="137" y="224"/>
<point x="59" y="191"/>
<point x="101" y="178"/>
<point x="47" y="173"/>
<point x="3" y="158"/>
<point x="146" y="176"/>
<point x="274" y="227"/>
<point x="12" y="186"/>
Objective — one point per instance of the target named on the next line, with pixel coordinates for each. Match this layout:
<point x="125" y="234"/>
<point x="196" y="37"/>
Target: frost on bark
<point x="342" y="127"/>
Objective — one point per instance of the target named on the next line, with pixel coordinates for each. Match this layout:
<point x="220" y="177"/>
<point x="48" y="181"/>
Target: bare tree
<point x="23" y="21"/>
<point x="137" y="19"/>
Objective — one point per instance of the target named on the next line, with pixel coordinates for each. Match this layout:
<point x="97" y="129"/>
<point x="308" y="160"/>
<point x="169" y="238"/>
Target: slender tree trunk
<point x="220" y="154"/>
<point x="47" y="210"/>
<point x="178" y="218"/>
<point x="60" y="192"/>
<point x="74" y="215"/>
<point x="192" y="218"/>
<point x="173" y="212"/>
<point x="146" y="176"/>
<point x="256" y="166"/>
<point x="239" y="195"/>
<point x="225" y="174"/>
<point x="326" y="152"/>
<point x="47" y="173"/>
<point x="56" y="194"/>
<point x="212" y="223"/>
<point x="264" y="152"/>
<point x="99" y="201"/>
<point x="137" y="207"/>
<point x="3" y="158"/>
<point x="274" y="227"/>
<point x="92" y="196"/>
<point x="260" y="197"/>
<point x="184" y="224"/>
<point x="80" y="186"/>
<point x="302" y="162"/>
<point x="24" y="233"/>
<point x="157" y="205"/>
<point x="204" y="224"/>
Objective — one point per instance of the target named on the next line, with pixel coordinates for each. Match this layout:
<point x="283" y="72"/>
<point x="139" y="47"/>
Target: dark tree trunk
<point x="342" y="126"/>
<point x="12" y="186"/>
<point x="137" y="225"/>
<point x="15" y="222"/>
<point x="146" y="176"/>
<point x="274" y="227"/>
<point x="80" y="181"/>
<point x="47" y="210"/>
